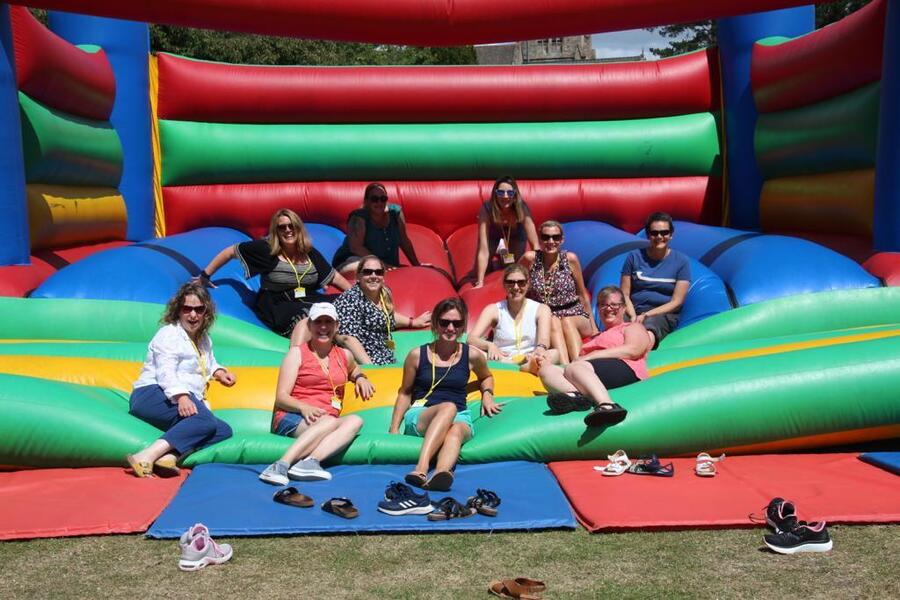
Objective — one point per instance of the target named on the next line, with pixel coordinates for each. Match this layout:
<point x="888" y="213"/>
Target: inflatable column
<point x="736" y="38"/>
<point x="15" y="248"/>
<point x="127" y="44"/>
<point x="887" y="167"/>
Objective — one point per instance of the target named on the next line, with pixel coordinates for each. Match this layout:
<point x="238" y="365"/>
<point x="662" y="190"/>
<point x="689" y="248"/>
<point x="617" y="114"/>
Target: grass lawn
<point x="685" y="564"/>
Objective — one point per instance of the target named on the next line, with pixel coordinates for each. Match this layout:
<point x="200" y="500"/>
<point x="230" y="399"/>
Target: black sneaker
<point x="561" y="403"/>
<point x="805" y="537"/>
<point x="399" y="499"/>
<point x="781" y="515"/>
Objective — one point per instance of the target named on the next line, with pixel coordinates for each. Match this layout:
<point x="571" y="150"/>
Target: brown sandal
<point x="416" y="479"/>
<point x="141" y="468"/>
<point x="441" y="481"/>
<point x="166" y="466"/>
<point x="292" y="497"/>
<point x="508" y="588"/>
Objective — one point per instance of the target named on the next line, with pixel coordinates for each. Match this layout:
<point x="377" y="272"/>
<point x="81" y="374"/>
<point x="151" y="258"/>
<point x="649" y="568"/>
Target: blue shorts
<point x="289" y="424"/>
<point x="411" y="420"/>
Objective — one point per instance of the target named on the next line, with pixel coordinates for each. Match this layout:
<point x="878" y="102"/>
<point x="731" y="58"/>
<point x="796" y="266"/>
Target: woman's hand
<point x="640" y="318"/>
<point x="494" y="353"/>
<point x="186" y="406"/>
<point x="422" y="320"/>
<point x="225" y="377"/>
<point x="202" y="280"/>
<point x="364" y="387"/>
<point x="489" y="408"/>
<point x="311" y="413"/>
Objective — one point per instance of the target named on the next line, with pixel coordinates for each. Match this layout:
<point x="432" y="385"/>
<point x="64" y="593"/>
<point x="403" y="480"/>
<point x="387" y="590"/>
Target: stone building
<point x="576" y="48"/>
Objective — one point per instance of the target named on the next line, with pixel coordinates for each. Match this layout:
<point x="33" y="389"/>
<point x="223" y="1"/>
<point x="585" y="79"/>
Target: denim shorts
<point x="289" y="424"/>
<point x="411" y="420"/>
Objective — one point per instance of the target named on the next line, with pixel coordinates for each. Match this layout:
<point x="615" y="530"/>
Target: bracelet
<point x="204" y="275"/>
<point x="487" y="391"/>
<point x="360" y="376"/>
<point x="544" y="346"/>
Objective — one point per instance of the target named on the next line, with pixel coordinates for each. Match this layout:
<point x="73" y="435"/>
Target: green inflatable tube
<point x="204" y="153"/>
<point x="65" y="149"/>
<point x="839" y="134"/>
<point x="793" y="315"/>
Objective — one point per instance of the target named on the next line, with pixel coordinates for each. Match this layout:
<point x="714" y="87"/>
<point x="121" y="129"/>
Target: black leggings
<point x="613" y="372"/>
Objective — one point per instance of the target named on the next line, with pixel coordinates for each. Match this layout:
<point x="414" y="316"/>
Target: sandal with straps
<point x="618" y="464"/>
<point x="652" y="466"/>
<point x="485" y="502"/>
<point x="141" y="468"/>
<point x="448" y="508"/>
<point x="706" y="465"/>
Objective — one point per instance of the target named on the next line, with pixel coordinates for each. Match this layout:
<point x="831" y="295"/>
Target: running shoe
<point x="401" y="500"/>
<point x="805" y="537"/>
<point x="188" y="536"/>
<point x="203" y="551"/>
<point x="781" y="515"/>
<point x="308" y="469"/>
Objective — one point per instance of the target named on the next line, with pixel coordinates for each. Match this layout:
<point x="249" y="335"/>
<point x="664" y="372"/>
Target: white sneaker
<point x="188" y="536"/>
<point x="203" y="551"/>
<point x="308" y="469"/>
<point x="276" y="474"/>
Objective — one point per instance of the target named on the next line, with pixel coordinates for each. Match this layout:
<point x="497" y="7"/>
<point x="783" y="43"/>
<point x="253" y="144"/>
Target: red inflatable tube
<point x="253" y="94"/>
<point x="444" y="206"/>
<point x="885" y="265"/>
<point x="822" y="64"/>
<point x="418" y="22"/>
<point x="20" y="280"/>
<point x="60" y="75"/>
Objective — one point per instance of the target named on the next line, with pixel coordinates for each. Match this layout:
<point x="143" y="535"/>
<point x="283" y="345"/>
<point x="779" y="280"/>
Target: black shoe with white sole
<point x="399" y="499"/>
<point x="805" y="537"/>
<point x="781" y="515"/>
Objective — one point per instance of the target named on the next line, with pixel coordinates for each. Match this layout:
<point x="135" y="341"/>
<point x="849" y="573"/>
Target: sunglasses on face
<point x="505" y="193"/>
<point x="445" y="323"/>
<point x="378" y="198"/>
<point x="285" y="227"/>
<point x="549" y="237"/>
<point x="612" y="305"/>
<point x="367" y="272"/>
<point x="515" y="282"/>
<point x="187" y="309"/>
<point x="659" y="232"/>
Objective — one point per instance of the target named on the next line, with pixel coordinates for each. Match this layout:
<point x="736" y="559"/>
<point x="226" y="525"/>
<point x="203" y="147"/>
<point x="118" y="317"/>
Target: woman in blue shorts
<point x="431" y="402"/>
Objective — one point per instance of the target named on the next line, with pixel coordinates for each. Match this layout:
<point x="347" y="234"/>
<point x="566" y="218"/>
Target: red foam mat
<point x="69" y="502"/>
<point x="837" y="488"/>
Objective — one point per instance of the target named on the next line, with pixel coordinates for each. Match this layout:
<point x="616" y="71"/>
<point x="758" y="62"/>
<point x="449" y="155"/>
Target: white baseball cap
<point x="322" y="309"/>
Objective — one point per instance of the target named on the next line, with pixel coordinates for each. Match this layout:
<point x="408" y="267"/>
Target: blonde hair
<point x="304" y="242"/>
<point x="519" y="206"/>
<point x="385" y="290"/>
<point x="550" y="223"/>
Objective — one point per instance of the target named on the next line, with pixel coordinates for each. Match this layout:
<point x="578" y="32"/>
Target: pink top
<point x="614" y="337"/>
<point x="313" y="386"/>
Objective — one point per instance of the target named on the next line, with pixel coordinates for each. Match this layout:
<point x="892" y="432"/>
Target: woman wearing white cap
<point x="309" y="397"/>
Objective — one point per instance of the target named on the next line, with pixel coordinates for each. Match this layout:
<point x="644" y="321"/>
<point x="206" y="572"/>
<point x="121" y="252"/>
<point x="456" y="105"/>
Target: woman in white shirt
<point x="171" y="389"/>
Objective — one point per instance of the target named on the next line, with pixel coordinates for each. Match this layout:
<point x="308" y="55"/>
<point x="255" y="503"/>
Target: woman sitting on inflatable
<point x="521" y="325"/>
<point x="556" y="281"/>
<point x="504" y="226"/>
<point x="308" y="401"/>
<point x="611" y="359"/>
<point x="377" y="228"/>
<point x="366" y="312"/>
<point x="656" y="279"/>
<point x="434" y="383"/>
<point x="170" y="391"/>
<point x="291" y="271"/>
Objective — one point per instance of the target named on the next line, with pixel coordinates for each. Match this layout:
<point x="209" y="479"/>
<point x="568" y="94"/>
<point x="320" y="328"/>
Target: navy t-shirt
<point x="653" y="281"/>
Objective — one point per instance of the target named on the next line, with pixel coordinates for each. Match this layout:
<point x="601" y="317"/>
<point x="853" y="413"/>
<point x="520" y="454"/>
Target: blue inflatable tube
<point x="596" y="243"/>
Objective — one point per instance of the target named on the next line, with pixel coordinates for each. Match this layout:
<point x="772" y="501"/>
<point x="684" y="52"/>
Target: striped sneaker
<point x="399" y="499"/>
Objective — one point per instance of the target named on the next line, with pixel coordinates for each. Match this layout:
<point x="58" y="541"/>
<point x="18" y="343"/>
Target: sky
<point x="626" y="43"/>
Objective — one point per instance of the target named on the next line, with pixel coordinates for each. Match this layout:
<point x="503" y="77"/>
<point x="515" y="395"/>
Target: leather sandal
<point x="141" y="468"/>
<point x="440" y="481"/>
<point x="448" y="508"/>
<point x="524" y="586"/>
<point x="485" y="502"/>
<point x="292" y="497"/>
<point x="502" y="589"/>
<point x="166" y="466"/>
<point x="706" y="465"/>
<point x="415" y="479"/>
<point x="341" y="507"/>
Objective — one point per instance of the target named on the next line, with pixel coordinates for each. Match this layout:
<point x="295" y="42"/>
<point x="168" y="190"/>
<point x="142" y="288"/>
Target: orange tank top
<point x="611" y="338"/>
<point x="313" y="386"/>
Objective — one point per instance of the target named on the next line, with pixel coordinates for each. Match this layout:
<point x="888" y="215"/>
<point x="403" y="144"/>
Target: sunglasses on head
<point x="378" y="198"/>
<point x="367" y="272"/>
<point x="659" y="232"/>
<point x="283" y="227"/>
<point x="505" y="193"/>
<point x="516" y="282"/>
<point x="187" y="309"/>
<point x="445" y="323"/>
<point x="551" y="237"/>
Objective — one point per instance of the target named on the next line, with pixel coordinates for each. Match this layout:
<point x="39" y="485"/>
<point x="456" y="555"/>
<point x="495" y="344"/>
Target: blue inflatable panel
<point x="231" y="501"/>
<point x="596" y="243"/>
<point x="885" y="460"/>
<point x="706" y="296"/>
<point x="326" y="239"/>
<point x="152" y="271"/>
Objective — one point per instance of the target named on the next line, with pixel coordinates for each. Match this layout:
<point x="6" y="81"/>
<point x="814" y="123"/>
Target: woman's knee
<point x="458" y="432"/>
<point x="578" y="367"/>
<point x="352" y="423"/>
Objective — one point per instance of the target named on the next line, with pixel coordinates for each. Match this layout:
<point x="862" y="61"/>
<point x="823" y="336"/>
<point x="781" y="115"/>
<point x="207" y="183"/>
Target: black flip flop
<point x="292" y="497"/>
<point x="415" y="479"/>
<point x="605" y="414"/>
<point x="341" y="507"/>
<point x="652" y="466"/>
<point x="448" y="508"/>
<point x="561" y="403"/>
<point x="485" y="502"/>
<point x="441" y="481"/>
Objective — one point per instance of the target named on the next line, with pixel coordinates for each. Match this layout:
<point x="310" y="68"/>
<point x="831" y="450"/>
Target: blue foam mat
<point x="886" y="460"/>
<point x="231" y="501"/>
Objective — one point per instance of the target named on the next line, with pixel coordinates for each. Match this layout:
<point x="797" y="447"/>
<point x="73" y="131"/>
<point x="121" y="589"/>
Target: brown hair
<point x="385" y="290"/>
<point x="304" y="242"/>
<point x="372" y="187"/>
<point x="550" y="223"/>
<point x="519" y="206"/>
<point x="608" y="291"/>
<point x="172" y="314"/>
<point x="516" y="268"/>
<point x="445" y="306"/>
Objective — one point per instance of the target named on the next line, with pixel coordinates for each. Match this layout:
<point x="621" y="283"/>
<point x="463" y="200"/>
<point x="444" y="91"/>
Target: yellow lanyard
<point x="517" y="324"/>
<point x="294" y="269"/>
<point x="202" y="362"/>
<point x="507" y="237"/>
<point x="434" y="383"/>
<point x="387" y="314"/>
<point x="323" y="364"/>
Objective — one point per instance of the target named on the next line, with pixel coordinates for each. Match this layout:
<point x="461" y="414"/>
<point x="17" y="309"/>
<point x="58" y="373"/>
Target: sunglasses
<point x="378" y="198"/>
<point x="367" y="272"/>
<point x="516" y="282"/>
<point x="612" y="305"/>
<point x="285" y="227"/>
<point x="445" y="323"/>
<point x="547" y="237"/>
<point x="505" y="193"/>
<point x="659" y="232"/>
<point x="187" y="309"/>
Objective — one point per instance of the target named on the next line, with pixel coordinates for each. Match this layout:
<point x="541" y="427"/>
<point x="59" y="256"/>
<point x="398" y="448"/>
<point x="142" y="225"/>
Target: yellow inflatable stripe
<point x="60" y="215"/>
<point x="159" y="213"/>
<point x="776" y="349"/>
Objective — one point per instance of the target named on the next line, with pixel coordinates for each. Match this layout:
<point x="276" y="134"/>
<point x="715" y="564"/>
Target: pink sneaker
<point x="188" y="536"/>
<point x="203" y="551"/>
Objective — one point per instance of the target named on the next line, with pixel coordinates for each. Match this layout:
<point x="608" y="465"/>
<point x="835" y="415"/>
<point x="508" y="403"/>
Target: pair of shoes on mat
<point x="706" y="464"/>
<point x="308" y="469"/>
<point x="340" y="507"/>
<point x="793" y="536"/>
<point x="400" y="499"/>
<point x="198" y="549"/>
<point x="440" y="481"/>
<point x="520" y="587"/>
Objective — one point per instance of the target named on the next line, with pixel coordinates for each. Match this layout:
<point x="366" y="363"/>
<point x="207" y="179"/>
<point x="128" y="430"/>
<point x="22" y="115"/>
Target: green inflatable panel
<point x="65" y="149"/>
<point x="137" y="351"/>
<point x="114" y="320"/>
<point x="204" y="153"/>
<point x="839" y="134"/>
<point x="51" y="424"/>
<point x="804" y="313"/>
